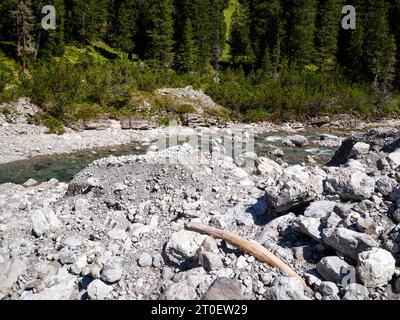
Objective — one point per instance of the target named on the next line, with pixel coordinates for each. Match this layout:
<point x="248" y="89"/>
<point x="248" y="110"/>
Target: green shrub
<point x="54" y="126"/>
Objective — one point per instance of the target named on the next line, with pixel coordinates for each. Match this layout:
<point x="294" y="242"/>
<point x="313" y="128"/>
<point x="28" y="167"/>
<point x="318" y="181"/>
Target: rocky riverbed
<point x="116" y="231"/>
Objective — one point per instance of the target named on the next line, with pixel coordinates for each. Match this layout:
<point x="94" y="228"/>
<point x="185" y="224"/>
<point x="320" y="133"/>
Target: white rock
<point x="184" y="244"/>
<point x="319" y="209"/>
<point x="44" y="220"/>
<point x="376" y="267"/>
<point x="267" y="166"/>
<point x="145" y="260"/>
<point x="66" y="285"/>
<point x="79" y="264"/>
<point x="98" y="290"/>
<point x="113" y="270"/>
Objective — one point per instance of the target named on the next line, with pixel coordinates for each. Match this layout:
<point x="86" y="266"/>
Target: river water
<point x="64" y="167"/>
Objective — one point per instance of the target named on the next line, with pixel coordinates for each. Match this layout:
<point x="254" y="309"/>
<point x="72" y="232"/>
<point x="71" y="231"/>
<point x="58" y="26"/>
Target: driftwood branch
<point x="249" y="247"/>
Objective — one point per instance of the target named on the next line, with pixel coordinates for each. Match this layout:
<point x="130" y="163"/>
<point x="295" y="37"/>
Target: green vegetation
<point x="276" y="59"/>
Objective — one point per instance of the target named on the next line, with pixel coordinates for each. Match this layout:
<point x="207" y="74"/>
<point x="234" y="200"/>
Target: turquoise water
<point x="65" y="167"/>
<point x="62" y="167"/>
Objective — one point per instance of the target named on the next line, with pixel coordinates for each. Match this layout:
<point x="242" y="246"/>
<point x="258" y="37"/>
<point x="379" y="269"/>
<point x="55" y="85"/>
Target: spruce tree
<point x="379" y="46"/>
<point x="160" y="32"/>
<point x="186" y="52"/>
<point x="394" y="21"/>
<point x="241" y="50"/>
<point x="50" y="42"/>
<point x="328" y="24"/>
<point x="124" y="27"/>
<point x="7" y="23"/>
<point x="300" y="18"/>
<point x="87" y="20"/>
<point x="267" y="32"/>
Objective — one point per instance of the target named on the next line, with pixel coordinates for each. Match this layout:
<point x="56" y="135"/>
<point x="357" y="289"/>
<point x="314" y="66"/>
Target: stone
<point x="347" y="241"/>
<point x="210" y="261"/>
<point x="366" y="225"/>
<point x="98" y="290"/>
<point x="298" y="140"/>
<point x="242" y="264"/>
<point x="396" y="286"/>
<point x="31" y="183"/>
<point x="180" y="291"/>
<point x="394" y="158"/>
<point x="224" y="289"/>
<point x="331" y="268"/>
<point x="267" y="166"/>
<point x="73" y="242"/>
<point x="43" y="221"/>
<point x="145" y="260"/>
<point x="184" y="244"/>
<point x="360" y="148"/>
<point x="9" y="273"/>
<point x="319" y="209"/>
<point x="296" y="187"/>
<point x="376" y="267"/>
<point x="67" y="256"/>
<point x="385" y="185"/>
<point x="117" y="234"/>
<point x="309" y="226"/>
<point x="113" y="270"/>
<point x="349" y="184"/>
<point x="64" y="288"/>
<point x="396" y="215"/>
<point x="328" y="288"/>
<point x="79" y="264"/>
<point x="286" y="288"/>
<point x="355" y="291"/>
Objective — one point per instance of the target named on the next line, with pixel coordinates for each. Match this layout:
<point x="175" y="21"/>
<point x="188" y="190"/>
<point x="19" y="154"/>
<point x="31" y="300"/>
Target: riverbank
<point x="21" y="141"/>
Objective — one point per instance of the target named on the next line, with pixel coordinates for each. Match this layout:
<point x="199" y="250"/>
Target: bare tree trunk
<point x="250" y="247"/>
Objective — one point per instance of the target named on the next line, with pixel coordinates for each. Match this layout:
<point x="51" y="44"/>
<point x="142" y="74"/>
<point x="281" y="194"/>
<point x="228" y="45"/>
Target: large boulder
<point x="267" y="166"/>
<point x="9" y="273"/>
<point x="44" y="220"/>
<point x="376" y="267"/>
<point x="332" y="268"/>
<point x="347" y="241"/>
<point x="296" y="187"/>
<point x="319" y="209"/>
<point x="349" y="184"/>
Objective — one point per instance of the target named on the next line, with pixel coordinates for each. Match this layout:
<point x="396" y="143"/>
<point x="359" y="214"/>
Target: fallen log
<point x="252" y="248"/>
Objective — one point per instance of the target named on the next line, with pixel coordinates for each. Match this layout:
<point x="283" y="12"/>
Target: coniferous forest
<point x="262" y="59"/>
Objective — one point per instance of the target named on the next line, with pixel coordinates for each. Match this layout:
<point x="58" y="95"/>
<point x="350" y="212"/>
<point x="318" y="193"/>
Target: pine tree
<point x="25" y="26"/>
<point x="379" y="47"/>
<point x="394" y="21"/>
<point x="300" y="18"/>
<point x="86" y="20"/>
<point x="328" y="24"/>
<point x="161" y="32"/>
<point x="351" y="45"/>
<point x="186" y="52"/>
<point x="241" y="49"/>
<point x="124" y="27"/>
<point x="7" y="22"/>
<point x="267" y="32"/>
<point x="50" y="42"/>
